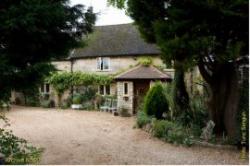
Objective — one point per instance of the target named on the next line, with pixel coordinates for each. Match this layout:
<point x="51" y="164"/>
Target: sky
<point x="108" y="15"/>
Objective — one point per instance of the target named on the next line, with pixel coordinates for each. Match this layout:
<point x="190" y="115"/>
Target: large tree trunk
<point x="181" y="97"/>
<point x="224" y="97"/>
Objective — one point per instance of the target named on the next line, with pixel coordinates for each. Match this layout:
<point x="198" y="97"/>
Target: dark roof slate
<point x="143" y="72"/>
<point x="115" y="40"/>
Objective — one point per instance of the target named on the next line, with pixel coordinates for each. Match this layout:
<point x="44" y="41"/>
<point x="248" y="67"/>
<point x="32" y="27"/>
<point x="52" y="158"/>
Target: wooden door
<point x="140" y="90"/>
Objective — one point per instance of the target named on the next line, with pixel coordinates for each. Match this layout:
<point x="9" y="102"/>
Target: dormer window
<point x="103" y="63"/>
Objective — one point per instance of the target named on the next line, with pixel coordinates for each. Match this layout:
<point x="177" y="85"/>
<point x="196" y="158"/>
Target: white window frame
<point x="45" y="89"/>
<point x="99" y="60"/>
<point x="104" y="90"/>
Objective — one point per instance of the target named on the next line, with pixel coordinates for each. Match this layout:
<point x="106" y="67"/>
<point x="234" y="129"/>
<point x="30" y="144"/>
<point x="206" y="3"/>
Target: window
<point x="103" y="63"/>
<point x="107" y="88"/>
<point x="104" y="89"/>
<point x="42" y="88"/>
<point x="101" y="89"/>
<point x="45" y="88"/>
<point x="125" y="88"/>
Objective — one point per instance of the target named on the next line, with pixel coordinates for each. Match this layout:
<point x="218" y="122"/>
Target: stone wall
<point x="117" y="64"/>
<point x="62" y="65"/>
<point x="125" y="101"/>
<point x="113" y="89"/>
<point x="17" y="96"/>
<point x="54" y="96"/>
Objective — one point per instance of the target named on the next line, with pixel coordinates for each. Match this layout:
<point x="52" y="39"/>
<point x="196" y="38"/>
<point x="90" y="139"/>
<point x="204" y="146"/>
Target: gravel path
<point x="81" y="137"/>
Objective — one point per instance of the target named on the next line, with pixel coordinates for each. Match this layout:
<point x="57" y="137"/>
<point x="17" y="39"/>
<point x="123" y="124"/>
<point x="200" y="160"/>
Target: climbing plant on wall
<point x="62" y="81"/>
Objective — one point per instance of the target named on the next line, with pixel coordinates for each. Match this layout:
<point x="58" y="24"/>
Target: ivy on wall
<point x="62" y="81"/>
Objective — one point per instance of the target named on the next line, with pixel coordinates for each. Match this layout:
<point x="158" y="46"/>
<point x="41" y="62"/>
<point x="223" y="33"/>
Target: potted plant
<point x="77" y="102"/>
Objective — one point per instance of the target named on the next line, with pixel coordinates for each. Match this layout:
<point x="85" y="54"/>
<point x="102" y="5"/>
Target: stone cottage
<point x="116" y="49"/>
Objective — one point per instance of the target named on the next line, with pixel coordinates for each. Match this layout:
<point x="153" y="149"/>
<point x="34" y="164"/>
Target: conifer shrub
<point x="155" y="101"/>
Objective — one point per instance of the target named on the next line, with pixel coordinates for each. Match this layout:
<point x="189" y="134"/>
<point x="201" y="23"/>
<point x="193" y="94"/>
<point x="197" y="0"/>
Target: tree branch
<point x="204" y="72"/>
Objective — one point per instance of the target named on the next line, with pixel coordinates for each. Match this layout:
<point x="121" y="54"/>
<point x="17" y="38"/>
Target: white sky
<point x="108" y="15"/>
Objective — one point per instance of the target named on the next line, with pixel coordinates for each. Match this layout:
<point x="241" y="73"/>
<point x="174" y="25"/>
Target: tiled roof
<point x="144" y="72"/>
<point x="115" y="40"/>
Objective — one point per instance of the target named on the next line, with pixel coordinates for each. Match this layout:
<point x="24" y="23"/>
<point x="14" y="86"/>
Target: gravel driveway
<point x="83" y="137"/>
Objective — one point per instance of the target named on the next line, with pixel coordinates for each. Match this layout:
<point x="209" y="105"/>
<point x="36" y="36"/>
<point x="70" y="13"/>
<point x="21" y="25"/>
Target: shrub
<point x="171" y="132"/>
<point x="88" y="94"/>
<point x="156" y="102"/>
<point x="145" y="61"/>
<point x="77" y="99"/>
<point x="17" y="150"/>
<point x="142" y="119"/>
<point x="31" y="97"/>
<point x="199" y="110"/>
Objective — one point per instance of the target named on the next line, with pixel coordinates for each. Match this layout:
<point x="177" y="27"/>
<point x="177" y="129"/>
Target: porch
<point x="133" y="85"/>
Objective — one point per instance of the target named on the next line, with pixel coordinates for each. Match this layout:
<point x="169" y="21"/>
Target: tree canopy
<point x="210" y="34"/>
<point x="34" y="32"/>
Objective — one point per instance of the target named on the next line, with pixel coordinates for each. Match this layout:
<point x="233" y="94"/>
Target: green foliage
<point x="118" y="3"/>
<point x="199" y="110"/>
<point x="155" y="101"/>
<point x="60" y="81"/>
<point x="32" y="34"/>
<point x="171" y="132"/>
<point x="196" y="115"/>
<point x="210" y="34"/>
<point x="190" y="35"/>
<point x="77" y="99"/>
<point x="146" y="61"/>
<point x="142" y="119"/>
<point x="31" y="96"/>
<point x="17" y="150"/>
<point x="89" y="94"/>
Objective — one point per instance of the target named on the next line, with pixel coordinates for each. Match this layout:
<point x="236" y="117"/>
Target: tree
<point x="149" y="16"/>
<point x="156" y="102"/>
<point x="210" y="34"/>
<point x="34" y="32"/>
